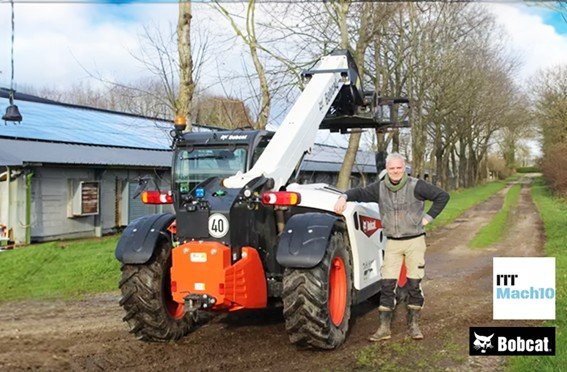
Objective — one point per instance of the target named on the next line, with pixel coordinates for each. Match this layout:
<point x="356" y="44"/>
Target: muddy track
<point x="89" y="334"/>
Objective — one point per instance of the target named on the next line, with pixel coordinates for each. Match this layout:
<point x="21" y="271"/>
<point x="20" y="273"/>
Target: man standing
<point x="401" y="199"/>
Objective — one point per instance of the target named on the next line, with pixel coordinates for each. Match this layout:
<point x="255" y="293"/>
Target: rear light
<point x="157" y="197"/>
<point x="173" y="286"/>
<point x="281" y="198"/>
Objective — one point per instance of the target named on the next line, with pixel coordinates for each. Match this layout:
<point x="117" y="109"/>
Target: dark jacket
<point x="402" y="211"/>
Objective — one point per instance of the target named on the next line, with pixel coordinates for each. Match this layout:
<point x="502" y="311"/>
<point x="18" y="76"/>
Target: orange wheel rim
<point x="174" y="309"/>
<point x="337" y="291"/>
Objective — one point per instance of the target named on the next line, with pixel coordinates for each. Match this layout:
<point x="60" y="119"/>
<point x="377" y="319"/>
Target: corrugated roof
<point x="316" y="166"/>
<point x="17" y="152"/>
<point x="331" y="154"/>
<point x="52" y="132"/>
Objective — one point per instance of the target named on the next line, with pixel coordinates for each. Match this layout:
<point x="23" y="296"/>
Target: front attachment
<point x="204" y="277"/>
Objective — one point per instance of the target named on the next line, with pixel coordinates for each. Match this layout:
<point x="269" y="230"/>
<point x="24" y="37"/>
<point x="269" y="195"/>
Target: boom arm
<point x="297" y="133"/>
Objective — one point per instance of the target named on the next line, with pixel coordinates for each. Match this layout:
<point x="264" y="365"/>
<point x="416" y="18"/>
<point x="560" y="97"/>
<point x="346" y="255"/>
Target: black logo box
<point x="515" y="334"/>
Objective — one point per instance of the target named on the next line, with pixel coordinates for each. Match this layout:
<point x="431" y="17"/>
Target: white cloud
<point x="537" y="44"/>
<point x="53" y="41"/>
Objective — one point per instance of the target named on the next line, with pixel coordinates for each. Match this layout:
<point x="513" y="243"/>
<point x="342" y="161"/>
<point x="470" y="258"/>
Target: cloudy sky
<point x="57" y="44"/>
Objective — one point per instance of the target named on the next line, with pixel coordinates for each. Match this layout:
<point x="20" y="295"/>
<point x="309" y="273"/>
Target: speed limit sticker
<point x="218" y="225"/>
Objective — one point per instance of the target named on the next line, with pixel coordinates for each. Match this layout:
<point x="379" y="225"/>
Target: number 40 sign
<point x="218" y="225"/>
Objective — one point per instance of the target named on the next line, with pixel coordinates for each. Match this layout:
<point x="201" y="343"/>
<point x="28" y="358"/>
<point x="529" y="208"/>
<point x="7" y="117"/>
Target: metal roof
<point x="19" y="152"/>
<point x="53" y="132"/>
<point x="75" y="124"/>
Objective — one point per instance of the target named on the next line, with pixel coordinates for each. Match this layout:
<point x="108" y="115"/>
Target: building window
<point x="84" y="198"/>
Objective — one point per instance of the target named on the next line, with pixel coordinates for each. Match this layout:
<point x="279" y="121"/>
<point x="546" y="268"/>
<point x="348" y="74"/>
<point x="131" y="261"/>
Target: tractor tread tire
<point x="143" y="299"/>
<point x="305" y="299"/>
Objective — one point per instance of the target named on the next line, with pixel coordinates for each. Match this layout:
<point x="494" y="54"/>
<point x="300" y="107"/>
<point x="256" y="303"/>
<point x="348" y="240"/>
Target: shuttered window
<point x="84" y="198"/>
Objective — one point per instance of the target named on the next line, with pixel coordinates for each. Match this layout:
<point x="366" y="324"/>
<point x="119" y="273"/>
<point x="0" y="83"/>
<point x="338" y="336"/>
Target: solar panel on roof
<point x="60" y="123"/>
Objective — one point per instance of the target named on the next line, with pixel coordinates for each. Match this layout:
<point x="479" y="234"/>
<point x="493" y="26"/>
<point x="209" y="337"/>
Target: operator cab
<point x="199" y="156"/>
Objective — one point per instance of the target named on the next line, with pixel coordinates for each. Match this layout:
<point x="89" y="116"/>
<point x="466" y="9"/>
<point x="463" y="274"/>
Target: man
<point x="401" y="199"/>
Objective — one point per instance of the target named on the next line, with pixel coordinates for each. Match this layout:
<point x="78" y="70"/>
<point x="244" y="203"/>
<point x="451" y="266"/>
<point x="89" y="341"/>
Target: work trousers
<point x="413" y="250"/>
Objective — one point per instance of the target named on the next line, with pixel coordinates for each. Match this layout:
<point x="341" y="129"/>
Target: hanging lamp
<point x="12" y="112"/>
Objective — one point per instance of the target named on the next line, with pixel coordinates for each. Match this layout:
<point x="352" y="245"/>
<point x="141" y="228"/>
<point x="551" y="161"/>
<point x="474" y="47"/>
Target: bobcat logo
<point x="369" y="225"/>
<point x="483" y="342"/>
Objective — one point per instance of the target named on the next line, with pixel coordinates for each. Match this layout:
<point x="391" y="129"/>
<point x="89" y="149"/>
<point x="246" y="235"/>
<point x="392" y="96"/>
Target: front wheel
<point x="317" y="301"/>
<point x="151" y="313"/>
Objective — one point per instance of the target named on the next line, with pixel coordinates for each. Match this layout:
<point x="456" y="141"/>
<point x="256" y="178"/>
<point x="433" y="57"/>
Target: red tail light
<point x="157" y="197"/>
<point x="281" y="198"/>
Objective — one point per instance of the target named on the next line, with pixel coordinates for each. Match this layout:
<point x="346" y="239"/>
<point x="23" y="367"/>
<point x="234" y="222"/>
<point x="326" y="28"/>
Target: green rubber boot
<point x="413" y="320"/>
<point x="383" y="332"/>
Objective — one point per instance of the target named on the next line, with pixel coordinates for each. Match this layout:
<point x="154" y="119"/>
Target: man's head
<point x="395" y="166"/>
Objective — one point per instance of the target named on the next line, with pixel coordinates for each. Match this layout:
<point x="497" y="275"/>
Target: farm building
<point x="71" y="171"/>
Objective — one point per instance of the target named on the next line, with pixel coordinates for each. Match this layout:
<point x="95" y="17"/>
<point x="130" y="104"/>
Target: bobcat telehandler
<point x="246" y="238"/>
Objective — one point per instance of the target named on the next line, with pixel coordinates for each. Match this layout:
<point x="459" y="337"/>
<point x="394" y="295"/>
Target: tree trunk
<point x="265" y="100"/>
<point x="186" y="84"/>
<point x="439" y="168"/>
<point x="350" y="158"/>
<point x="454" y="171"/>
<point x="362" y="44"/>
<point x="462" y="163"/>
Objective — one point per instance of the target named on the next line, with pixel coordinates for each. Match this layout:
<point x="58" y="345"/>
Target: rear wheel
<point x="317" y="301"/>
<point x="151" y="313"/>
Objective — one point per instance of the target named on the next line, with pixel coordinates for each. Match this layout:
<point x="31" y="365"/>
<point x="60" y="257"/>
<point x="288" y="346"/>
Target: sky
<point x="60" y="44"/>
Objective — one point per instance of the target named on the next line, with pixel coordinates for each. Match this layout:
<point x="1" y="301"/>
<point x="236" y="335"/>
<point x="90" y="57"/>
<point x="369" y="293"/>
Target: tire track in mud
<point x="88" y="334"/>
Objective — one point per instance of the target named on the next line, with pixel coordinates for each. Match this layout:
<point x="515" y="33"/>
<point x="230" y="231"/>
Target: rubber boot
<point x="413" y="320"/>
<point x="383" y="332"/>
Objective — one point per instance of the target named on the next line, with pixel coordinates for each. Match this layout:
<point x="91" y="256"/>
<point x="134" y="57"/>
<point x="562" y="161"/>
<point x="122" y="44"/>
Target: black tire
<point x="145" y="297"/>
<point x="305" y="297"/>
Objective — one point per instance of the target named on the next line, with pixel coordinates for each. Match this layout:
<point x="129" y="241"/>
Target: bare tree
<point x="550" y="112"/>
<point x="248" y="36"/>
<point x="186" y="83"/>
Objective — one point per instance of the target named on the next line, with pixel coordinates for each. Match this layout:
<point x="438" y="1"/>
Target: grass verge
<point x="553" y="212"/>
<point x="59" y="269"/>
<point x="73" y="268"/>
<point x="495" y="230"/>
<point x="462" y="200"/>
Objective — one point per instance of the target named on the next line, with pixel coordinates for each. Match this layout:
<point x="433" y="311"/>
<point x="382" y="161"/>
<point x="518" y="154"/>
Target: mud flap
<point x="304" y="239"/>
<point x="137" y="243"/>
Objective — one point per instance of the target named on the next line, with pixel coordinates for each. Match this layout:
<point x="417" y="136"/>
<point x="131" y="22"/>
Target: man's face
<point x="395" y="169"/>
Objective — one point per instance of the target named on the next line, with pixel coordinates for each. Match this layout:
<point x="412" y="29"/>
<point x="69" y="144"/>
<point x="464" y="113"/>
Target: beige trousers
<point x="414" y="252"/>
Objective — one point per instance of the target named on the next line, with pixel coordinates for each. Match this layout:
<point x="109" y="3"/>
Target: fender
<point x="136" y="245"/>
<point x="304" y="240"/>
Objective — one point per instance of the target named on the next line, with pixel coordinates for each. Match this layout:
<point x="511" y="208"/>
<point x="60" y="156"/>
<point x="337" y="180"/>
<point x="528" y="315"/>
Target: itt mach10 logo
<point x="512" y="341"/>
<point x="524" y="288"/>
<point x="369" y="225"/>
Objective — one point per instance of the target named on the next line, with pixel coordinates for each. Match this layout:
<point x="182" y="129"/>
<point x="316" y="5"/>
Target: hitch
<point x="194" y="302"/>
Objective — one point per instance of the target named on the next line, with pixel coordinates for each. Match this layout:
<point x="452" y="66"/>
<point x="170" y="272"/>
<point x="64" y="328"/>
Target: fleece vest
<point x="400" y="211"/>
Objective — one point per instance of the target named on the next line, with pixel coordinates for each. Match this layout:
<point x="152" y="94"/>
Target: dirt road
<point x="89" y="334"/>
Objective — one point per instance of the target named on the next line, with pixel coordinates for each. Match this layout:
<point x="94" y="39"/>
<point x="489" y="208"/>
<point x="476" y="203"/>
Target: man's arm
<point x="439" y="197"/>
<point x="369" y="194"/>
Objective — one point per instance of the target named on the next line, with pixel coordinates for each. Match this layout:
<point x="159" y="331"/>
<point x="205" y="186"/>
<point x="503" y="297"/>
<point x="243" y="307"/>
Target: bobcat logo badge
<point x="483" y="342"/>
<point x="369" y="225"/>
